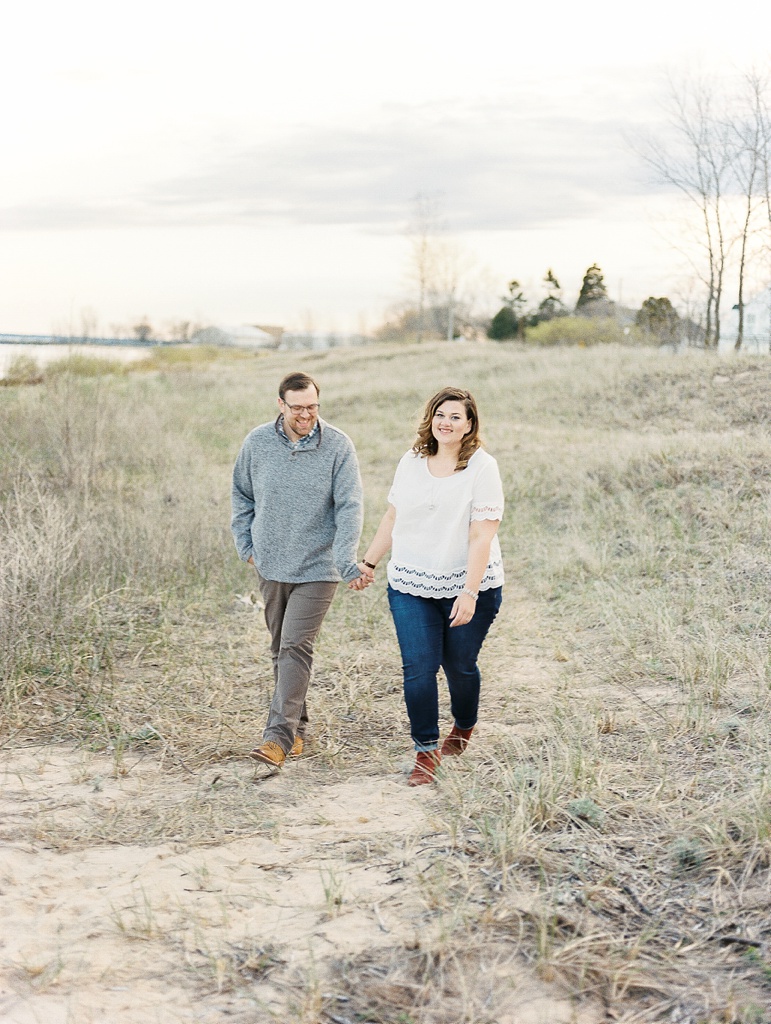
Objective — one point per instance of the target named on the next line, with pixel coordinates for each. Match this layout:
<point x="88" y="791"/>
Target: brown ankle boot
<point x="426" y="763"/>
<point x="456" y="742"/>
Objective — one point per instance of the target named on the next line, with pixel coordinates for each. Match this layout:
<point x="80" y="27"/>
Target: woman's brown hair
<point x="426" y="444"/>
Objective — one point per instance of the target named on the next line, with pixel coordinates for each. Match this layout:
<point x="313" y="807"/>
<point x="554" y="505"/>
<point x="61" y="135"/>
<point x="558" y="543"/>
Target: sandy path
<point x="249" y="930"/>
<point x="99" y="933"/>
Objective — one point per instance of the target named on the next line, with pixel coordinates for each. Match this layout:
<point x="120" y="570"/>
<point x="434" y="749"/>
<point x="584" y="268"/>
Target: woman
<point x="445" y="575"/>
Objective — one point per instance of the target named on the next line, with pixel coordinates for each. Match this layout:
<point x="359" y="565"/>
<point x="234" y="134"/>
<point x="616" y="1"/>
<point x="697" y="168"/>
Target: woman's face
<point x="450" y="423"/>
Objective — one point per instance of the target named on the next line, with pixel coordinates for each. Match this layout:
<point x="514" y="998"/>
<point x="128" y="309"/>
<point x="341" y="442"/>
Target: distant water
<point x="44" y="354"/>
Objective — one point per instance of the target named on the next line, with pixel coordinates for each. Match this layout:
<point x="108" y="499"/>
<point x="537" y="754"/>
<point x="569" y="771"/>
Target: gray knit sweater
<point x="298" y="512"/>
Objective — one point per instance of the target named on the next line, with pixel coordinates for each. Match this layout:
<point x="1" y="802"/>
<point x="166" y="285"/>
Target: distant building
<point x="277" y="333"/>
<point x="757" y="324"/>
<point x="319" y="341"/>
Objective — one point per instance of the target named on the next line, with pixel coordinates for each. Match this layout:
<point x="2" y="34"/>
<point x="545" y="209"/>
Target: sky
<point x="258" y="163"/>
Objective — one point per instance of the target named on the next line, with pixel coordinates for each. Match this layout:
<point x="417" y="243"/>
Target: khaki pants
<point x="293" y="613"/>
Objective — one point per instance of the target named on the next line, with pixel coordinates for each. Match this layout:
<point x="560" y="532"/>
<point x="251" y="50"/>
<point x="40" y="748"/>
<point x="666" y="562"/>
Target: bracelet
<point x="369" y="565"/>
<point x="470" y="593"/>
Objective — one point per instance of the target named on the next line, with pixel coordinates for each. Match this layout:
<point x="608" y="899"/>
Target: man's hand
<point x="250" y="560"/>
<point x="367" y="577"/>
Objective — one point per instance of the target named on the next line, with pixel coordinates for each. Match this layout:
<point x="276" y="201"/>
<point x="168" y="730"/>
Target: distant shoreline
<point x="44" y="339"/>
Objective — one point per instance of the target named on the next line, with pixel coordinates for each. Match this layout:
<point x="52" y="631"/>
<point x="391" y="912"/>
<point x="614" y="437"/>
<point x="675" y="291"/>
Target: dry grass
<point x="615" y="827"/>
<point x="466" y="981"/>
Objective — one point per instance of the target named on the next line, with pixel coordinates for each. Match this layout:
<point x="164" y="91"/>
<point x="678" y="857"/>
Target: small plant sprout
<point x="333" y="885"/>
<point x="687" y="853"/>
<point x="587" y="811"/>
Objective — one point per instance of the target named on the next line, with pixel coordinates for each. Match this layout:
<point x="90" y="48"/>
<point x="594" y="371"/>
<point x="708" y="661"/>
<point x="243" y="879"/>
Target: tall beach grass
<point x="614" y="825"/>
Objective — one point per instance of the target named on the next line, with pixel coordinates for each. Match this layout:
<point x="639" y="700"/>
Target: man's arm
<point x="242" y="503"/>
<point x="348" y="498"/>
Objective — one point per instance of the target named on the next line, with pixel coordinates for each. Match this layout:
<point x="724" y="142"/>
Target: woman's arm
<point x="381" y="544"/>
<point x="480" y="537"/>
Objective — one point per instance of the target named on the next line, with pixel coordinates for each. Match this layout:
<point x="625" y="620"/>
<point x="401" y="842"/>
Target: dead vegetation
<point x="609" y="833"/>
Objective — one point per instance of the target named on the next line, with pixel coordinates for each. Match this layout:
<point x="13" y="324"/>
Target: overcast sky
<point x="255" y="163"/>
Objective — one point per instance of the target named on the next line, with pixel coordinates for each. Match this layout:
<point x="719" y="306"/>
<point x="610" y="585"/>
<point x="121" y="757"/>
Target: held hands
<point x="367" y="577"/>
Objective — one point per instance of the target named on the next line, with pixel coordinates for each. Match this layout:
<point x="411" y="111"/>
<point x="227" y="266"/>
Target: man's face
<point x="301" y="411"/>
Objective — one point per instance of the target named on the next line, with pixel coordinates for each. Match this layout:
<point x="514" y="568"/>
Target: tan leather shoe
<point x="297" y="747"/>
<point x="426" y="763"/>
<point x="269" y="753"/>
<point x="456" y="742"/>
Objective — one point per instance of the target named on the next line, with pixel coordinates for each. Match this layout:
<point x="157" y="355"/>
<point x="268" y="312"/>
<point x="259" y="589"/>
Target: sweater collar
<point x="312" y="440"/>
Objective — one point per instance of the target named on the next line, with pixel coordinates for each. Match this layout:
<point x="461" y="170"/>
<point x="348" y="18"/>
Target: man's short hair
<point x="296" y="382"/>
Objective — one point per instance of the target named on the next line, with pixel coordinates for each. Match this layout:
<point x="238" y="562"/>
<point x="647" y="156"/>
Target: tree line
<point x="657" y="319"/>
<point x="446" y="298"/>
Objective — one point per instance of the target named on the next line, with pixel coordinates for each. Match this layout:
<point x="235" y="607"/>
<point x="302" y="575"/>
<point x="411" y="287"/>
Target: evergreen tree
<point x="503" y="325"/>
<point x="659" y="318"/>
<point x="592" y="288"/>
<point x="553" y="286"/>
<point x="508" y="321"/>
<point x="552" y="305"/>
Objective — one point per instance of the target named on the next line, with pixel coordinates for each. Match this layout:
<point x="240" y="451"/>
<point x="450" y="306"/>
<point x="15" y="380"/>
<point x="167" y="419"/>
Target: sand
<point x="252" y="929"/>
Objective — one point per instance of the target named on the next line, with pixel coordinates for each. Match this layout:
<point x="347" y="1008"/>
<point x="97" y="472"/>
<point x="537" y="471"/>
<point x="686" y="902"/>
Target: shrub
<point x="580" y="330"/>
<point x="84" y="366"/>
<point x="181" y="357"/>
<point x="23" y="369"/>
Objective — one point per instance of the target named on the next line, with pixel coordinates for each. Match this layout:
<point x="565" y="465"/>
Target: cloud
<point x="69" y="216"/>
<point x="498" y="166"/>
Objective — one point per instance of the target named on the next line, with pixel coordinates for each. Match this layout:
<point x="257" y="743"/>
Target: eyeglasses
<point x="298" y="409"/>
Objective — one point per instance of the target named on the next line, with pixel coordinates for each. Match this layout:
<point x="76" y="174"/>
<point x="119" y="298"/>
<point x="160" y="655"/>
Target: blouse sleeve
<point x="393" y="493"/>
<point x="487" y="495"/>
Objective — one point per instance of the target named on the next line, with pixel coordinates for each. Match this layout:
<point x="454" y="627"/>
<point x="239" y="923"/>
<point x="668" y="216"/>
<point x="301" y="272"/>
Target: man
<point x="297" y="517"/>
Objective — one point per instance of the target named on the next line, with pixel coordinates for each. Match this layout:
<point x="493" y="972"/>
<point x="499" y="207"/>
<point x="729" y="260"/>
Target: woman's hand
<point x="480" y="537"/>
<point x="462" y="610"/>
<point x="367" y="577"/>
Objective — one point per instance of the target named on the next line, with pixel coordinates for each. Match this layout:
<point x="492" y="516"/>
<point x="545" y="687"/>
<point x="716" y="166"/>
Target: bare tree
<point x="747" y="165"/>
<point x="424" y="231"/>
<point x="758" y="87"/>
<point x="440" y="268"/>
<point x="181" y="330"/>
<point x="699" y="166"/>
<point x="89" y="323"/>
<point x="445" y="291"/>
<point x="143" y="330"/>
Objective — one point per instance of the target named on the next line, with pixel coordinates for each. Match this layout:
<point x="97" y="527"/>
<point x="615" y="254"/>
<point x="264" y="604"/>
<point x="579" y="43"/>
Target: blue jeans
<point x="428" y="642"/>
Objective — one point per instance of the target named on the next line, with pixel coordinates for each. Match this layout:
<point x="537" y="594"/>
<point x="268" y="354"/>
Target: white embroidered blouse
<point x="429" y="543"/>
